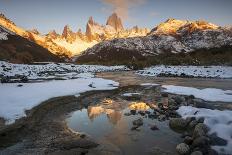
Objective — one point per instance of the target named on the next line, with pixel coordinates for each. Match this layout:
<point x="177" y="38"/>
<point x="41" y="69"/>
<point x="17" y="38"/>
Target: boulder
<point x="178" y="123"/>
<point x="183" y="149"/>
<point x="200" y="130"/>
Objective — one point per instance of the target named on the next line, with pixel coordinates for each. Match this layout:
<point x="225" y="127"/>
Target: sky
<point x="46" y="15"/>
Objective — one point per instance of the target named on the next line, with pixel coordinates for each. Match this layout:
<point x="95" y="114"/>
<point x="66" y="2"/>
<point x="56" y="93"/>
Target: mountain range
<point x="172" y="42"/>
<point x="176" y="41"/>
<point x="73" y="43"/>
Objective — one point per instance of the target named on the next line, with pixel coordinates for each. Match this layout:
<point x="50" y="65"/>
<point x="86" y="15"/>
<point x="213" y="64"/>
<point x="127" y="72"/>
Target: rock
<point x="127" y="114"/>
<point x="212" y="152"/>
<point x="134" y="128"/>
<point x="179" y="99"/>
<point x="201" y="120"/>
<point x="154" y="127"/>
<point x="188" y="140"/>
<point x="201" y="142"/>
<point x="163" y="94"/>
<point x="197" y="153"/>
<point x="198" y="103"/>
<point x="192" y="124"/>
<point x="152" y="116"/>
<point x="200" y="130"/>
<point x="133" y="112"/>
<point x="147" y="112"/>
<point x="138" y="122"/>
<point x="182" y="149"/>
<point x="161" y="117"/>
<point x="215" y="140"/>
<point x="142" y="113"/>
<point x="19" y="85"/>
<point x="178" y="123"/>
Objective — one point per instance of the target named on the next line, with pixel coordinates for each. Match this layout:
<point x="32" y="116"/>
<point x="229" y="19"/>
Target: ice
<point x="219" y="122"/>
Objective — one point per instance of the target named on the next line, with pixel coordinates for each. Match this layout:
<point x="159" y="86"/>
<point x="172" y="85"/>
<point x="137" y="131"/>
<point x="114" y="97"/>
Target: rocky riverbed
<point x="147" y="110"/>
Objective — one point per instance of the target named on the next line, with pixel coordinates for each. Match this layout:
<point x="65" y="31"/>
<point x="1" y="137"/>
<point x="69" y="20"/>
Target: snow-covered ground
<point x="207" y="94"/>
<point x="52" y="70"/>
<point x="191" y="71"/>
<point x="219" y="122"/>
<point x="15" y="100"/>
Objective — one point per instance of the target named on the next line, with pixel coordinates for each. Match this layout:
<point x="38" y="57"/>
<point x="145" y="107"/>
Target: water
<point x="107" y="124"/>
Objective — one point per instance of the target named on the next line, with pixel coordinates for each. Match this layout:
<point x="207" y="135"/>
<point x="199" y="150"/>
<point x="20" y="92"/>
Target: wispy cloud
<point x="121" y="7"/>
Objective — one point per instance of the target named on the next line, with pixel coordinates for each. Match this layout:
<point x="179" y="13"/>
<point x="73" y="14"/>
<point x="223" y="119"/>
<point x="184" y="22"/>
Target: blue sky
<point x="46" y="15"/>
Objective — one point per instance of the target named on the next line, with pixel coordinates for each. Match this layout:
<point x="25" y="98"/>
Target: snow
<point x="207" y="94"/>
<point x="193" y="71"/>
<point x="149" y="84"/>
<point x="130" y="94"/>
<point x="219" y="122"/>
<point x="53" y="70"/>
<point x="75" y="47"/>
<point x="3" y="36"/>
<point x="15" y="100"/>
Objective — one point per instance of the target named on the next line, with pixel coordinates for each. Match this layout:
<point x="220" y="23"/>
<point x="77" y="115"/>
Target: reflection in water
<point x="110" y="108"/>
<point x="138" y="106"/>
<point x="107" y="123"/>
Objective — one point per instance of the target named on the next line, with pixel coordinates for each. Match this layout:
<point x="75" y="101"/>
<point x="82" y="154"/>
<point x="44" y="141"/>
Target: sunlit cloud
<point x="121" y="7"/>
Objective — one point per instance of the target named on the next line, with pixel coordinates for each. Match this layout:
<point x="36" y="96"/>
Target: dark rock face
<point x="17" y="49"/>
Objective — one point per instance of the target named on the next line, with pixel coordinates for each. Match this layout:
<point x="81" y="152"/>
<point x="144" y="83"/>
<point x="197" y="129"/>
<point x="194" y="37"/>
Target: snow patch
<point x="194" y="71"/>
<point x="219" y="122"/>
<point x="15" y="100"/>
<point x="130" y="94"/>
<point x="207" y="94"/>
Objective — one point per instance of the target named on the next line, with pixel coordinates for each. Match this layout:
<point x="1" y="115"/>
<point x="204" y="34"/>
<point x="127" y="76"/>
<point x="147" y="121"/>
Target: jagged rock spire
<point x="115" y="22"/>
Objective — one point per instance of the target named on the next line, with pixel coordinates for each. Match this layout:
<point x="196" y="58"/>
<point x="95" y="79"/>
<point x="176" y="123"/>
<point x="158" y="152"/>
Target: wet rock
<point x="24" y="79"/>
<point x="162" y="118"/>
<point x="198" y="103"/>
<point x="171" y="102"/>
<point x="192" y="124"/>
<point x="5" y="79"/>
<point x="202" y="142"/>
<point x="154" y="127"/>
<point x="197" y="153"/>
<point x="19" y="85"/>
<point x="134" y="128"/>
<point x="200" y="130"/>
<point x="142" y="113"/>
<point x="183" y="149"/>
<point x="127" y="114"/>
<point x="201" y="120"/>
<point x="215" y="140"/>
<point x="188" y="140"/>
<point x="163" y="94"/>
<point x="138" y="122"/>
<point x="147" y="112"/>
<point x="178" y="123"/>
<point x="133" y="112"/>
<point x="212" y="152"/>
<point x="179" y="99"/>
<point x="152" y="116"/>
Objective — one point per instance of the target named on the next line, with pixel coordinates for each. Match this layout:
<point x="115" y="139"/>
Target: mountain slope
<point x="169" y="38"/>
<point x="34" y="36"/>
<point x="17" y="49"/>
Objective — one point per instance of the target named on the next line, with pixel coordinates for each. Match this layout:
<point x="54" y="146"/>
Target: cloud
<point x="121" y="7"/>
